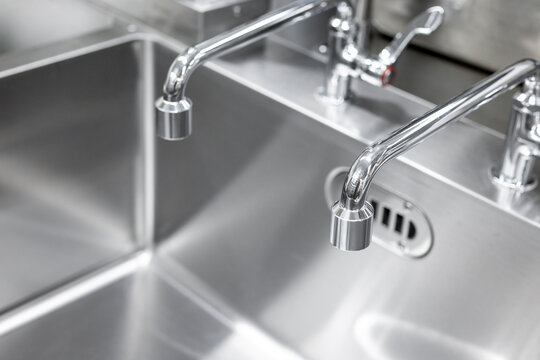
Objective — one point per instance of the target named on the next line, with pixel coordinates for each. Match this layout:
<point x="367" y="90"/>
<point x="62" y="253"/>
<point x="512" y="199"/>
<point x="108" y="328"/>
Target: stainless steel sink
<point x="242" y="267"/>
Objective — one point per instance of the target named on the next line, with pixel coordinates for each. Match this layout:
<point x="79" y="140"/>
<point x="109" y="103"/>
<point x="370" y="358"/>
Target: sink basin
<point x="71" y="161"/>
<point x="242" y="267"/>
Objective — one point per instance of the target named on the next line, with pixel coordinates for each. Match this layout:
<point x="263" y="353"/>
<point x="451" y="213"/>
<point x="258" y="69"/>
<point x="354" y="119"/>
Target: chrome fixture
<point x="399" y="226"/>
<point x="352" y="218"/>
<point x="349" y="49"/>
<point x="174" y="108"/>
<point x="348" y="57"/>
<point x="522" y="143"/>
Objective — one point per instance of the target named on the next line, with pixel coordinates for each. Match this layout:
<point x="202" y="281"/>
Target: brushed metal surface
<point x="488" y="33"/>
<point x="243" y="269"/>
<point x="267" y="248"/>
<point x="148" y="315"/>
<point x="470" y="298"/>
<point x="72" y="166"/>
<point x="242" y="266"/>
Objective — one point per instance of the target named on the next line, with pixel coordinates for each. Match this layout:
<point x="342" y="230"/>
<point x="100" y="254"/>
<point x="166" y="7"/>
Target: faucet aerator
<point x="173" y="119"/>
<point x="351" y="229"/>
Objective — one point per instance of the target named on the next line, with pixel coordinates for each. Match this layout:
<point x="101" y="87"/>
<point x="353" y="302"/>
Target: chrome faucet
<point x="351" y="227"/>
<point x="349" y="48"/>
<point x="348" y="55"/>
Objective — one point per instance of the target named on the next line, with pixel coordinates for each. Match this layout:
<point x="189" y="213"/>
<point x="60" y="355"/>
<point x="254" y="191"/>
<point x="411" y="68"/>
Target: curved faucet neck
<point x="367" y="164"/>
<point x="181" y="69"/>
<point x="359" y="177"/>
<point x="184" y="65"/>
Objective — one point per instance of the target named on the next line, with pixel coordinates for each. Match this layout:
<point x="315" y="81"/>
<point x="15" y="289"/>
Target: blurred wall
<point x="488" y="33"/>
<point x="30" y="23"/>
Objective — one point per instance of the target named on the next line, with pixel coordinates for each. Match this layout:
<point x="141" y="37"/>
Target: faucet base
<point x="498" y="179"/>
<point x="322" y="95"/>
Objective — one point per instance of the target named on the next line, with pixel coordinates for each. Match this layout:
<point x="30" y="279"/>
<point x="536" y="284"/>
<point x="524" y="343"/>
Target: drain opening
<point x="375" y="206"/>
<point x="399" y="223"/>
<point x="412" y="231"/>
<point x="385" y="216"/>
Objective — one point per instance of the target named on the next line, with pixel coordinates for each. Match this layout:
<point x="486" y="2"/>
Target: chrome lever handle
<point x="423" y="24"/>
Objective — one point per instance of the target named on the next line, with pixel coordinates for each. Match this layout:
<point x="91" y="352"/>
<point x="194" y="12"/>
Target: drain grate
<point x="400" y="222"/>
<point x="398" y="225"/>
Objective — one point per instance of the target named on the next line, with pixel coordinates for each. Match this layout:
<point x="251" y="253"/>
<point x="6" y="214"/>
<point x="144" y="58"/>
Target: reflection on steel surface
<point x="65" y="295"/>
<point x="385" y="337"/>
<point x="268" y="260"/>
<point x="76" y="174"/>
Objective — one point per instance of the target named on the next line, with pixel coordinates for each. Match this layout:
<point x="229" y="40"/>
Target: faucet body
<point x="349" y="53"/>
<point x="522" y="144"/>
<point x="352" y="214"/>
<point x="348" y="56"/>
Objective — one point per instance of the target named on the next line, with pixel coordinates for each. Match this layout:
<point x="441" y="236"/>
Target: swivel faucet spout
<point x="186" y="63"/>
<point x="174" y="109"/>
<point x="352" y="214"/>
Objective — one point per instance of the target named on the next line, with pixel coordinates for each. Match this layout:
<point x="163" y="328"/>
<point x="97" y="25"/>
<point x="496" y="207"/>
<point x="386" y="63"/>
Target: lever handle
<point x="423" y="24"/>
